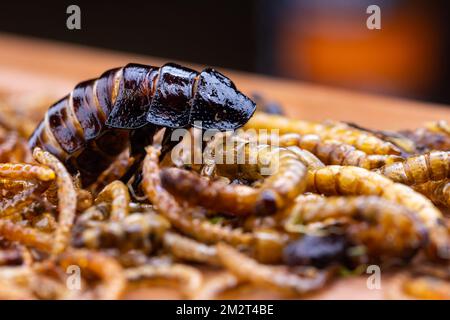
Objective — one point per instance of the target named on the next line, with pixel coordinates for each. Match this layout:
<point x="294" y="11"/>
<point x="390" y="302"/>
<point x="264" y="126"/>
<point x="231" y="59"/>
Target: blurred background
<point x="319" y="41"/>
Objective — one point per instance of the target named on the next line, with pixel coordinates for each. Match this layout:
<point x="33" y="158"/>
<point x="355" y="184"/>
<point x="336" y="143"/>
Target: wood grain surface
<point x="37" y="67"/>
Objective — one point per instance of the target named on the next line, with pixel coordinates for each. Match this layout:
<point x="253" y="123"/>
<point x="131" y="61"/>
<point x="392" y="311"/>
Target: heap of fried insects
<point x="342" y="197"/>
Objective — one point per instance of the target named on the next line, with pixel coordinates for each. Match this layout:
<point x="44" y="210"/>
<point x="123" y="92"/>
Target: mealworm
<point x="432" y="166"/>
<point x="274" y="193"/>
<point x="361" y="140"/>
<point x="436" y="191"/>
<point x="190" y="278"/>
<point x="274" y="277"/>
<point x="179" y="216"/>
<point x="188" y="249"/>
<point x="341" y="180"/>
<point x="67" y="199"/>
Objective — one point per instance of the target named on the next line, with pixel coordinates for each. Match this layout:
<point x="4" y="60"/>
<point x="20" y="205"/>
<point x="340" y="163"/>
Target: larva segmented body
<point x="83" y="128"/>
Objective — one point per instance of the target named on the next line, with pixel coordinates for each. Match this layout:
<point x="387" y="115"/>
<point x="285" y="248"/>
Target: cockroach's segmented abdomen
<point x="85" y="128"/>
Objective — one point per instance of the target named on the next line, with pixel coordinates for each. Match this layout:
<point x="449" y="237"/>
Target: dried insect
<point x="181" y="217"/>
<point x="81" y="129"/>
<point x="436" y="191"/>
<point x="335" y="152"/>
<point x="275" y="277"/>
<point x="402" y="142"/>
<point x="274" y="193"/>
<point x="385" y="228"/>
<point x="432" y="166"/>
<point x="342" y="132"/>
<point x="341" y="180"/>
<point x="188" y="249"/>
<point x="427" y="140"/>
<point x="136" y="231"/>
<point x="26" y="171"/>
<point x="25" y="235"/>
<point x="21" y="200"/>
<point x="67" y="198"/>
<point x="190" y="278"/>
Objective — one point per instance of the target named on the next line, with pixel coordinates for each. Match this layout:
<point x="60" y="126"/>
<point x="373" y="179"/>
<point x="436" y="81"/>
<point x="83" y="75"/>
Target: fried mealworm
<point x="21" y="199"/>
<point x="117" y="196"/>
<point x="26" y="171"/>
<point x="178" y="215"/>
<point x="136" y="231"/>
<point x="342" y="180"/>
<point x="385" y="228"/>
<point x="67" y="199"/>
<point x="190" y="250"/>
<point x="335" y="152"/>
<point x="286" y="182"/>
<point x="275" y="277"/>
<point x="190" y="278"/>
<point x="342" y="132"/>
<point x="427" y="140"/>
<point x="432" y="166"/>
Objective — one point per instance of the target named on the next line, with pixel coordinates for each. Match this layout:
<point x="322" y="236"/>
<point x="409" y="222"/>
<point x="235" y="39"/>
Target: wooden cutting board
<point x="30" y="66"/>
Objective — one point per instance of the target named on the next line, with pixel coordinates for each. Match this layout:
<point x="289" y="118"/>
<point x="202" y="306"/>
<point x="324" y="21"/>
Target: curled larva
<point x="341" y="180"/>
<point x="385" y="228"/>
<point x="275" y="191"/>
<point x="25" y="235"/>
<point x="67" y="198"/>
<point x="180" y="217"/>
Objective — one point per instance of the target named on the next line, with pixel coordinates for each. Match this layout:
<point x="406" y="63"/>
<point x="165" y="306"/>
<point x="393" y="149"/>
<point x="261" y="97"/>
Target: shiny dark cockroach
<point x="126" y="106"/>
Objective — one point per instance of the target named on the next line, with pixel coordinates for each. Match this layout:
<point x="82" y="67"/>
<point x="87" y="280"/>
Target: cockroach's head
<point x="218" y="104"/>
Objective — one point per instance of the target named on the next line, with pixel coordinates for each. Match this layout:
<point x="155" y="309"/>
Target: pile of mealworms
<point x="342" y="198"/>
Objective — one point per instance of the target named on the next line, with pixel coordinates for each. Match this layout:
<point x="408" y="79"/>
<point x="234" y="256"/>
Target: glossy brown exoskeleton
<point x="126" y="106"/>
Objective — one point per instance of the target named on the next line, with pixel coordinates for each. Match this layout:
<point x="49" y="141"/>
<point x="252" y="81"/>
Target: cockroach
<point x="126" y="106"/>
